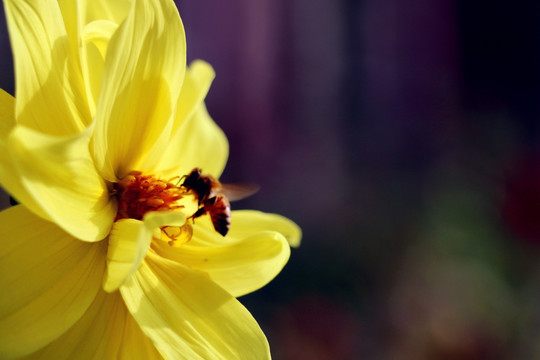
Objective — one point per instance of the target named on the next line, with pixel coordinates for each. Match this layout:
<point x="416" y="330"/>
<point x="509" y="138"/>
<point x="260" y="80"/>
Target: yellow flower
<point x="99" y="261"/>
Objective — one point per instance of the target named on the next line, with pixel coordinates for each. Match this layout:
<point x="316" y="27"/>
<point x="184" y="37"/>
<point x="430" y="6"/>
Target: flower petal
<point x="60" y="175"/>
<point x="48" y="280"/>
<point x="49" y="86"/>
<point x="142" y="77"/>
<point x="249" y="221"/>
<point x="96" y="36"/>
<point x="78" y="17"/>
<point x="244" y="261"/>
<point x="7" y="113"/>
<point x="105" y="331"/>
<point x="196" y="140"/>
<point x="140" y="347"/>
<point x="99" y="33"/>
<point x="114" y="11"/>
<point x="198" y="143"/>
<point x="9" y="176"/>
<point x="129" y="242"/>
<point x="197" y="81"/>
<point x="187" y="316"/>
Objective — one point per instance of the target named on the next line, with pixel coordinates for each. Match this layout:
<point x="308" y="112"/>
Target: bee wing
<point x="238" y="191"/>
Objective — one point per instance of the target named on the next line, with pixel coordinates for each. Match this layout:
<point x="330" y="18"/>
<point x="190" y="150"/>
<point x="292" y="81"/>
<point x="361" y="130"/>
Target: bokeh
<point x="403" y="137"/>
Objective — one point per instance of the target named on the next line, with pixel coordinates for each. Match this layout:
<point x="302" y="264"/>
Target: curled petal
<point x="240" y="263"/>
<point x="9" y="175"/>
<point x="95" y="40"/>
<point x="47" y="69"/>
<point x="89" y="26"/>
<point x="197" y="81"/>
<point x="196" y="140"/>
<point x="199" y="142"/>
<point x="249" y="221"/>
<point x="99" y="33"/>
<point x="60" y="176"/>
<point x="48" y="280"/>
<point x="129" y="242"/>
<point x="187" y="316"/>
<point x="142" y="76"/>
<point x="114" y="11"/>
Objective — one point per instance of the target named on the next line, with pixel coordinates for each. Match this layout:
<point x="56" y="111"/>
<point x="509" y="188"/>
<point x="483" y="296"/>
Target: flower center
<point x="138" y="194"/>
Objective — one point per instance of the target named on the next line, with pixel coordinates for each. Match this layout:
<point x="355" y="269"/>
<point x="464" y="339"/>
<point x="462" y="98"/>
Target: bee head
<point x="191" y="179"/>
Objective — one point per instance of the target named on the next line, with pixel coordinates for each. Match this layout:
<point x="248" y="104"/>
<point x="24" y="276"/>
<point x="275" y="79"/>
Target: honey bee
<point x="213" y="197"/>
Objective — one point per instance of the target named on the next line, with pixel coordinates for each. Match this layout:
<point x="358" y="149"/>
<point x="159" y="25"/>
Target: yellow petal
<point x="136" y="345"/>
<point x="142" y="77"/>
<point x="60" y="175"/>
<point x="129" y="242"/>
<point x="95" y="38"/>
<point x="7" y="113"/>
<point x="70" y="11"/>
<point x="249" y="221"/>
<point x="9" y="175"/>
<point x="99" y="33"/>
<point x="197" y="81"/>
<point x="187" y="316"/>
<point x="196" y="139"/>
<point x="81" y="19"/>
<point x="114" y="11"/>
<point x="71" y="14"/>
<point x="198" y="143"/>
<point x="49" y="86"/>
<point x="244" y="261"/>
<point x="105" y="331"/>
<point x="48" y="280"/>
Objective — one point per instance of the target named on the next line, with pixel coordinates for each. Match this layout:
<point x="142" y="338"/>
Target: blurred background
<point x="403" y="137"/>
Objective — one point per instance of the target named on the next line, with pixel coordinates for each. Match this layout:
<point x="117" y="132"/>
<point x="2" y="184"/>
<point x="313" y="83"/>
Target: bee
<point x="213" y="197"/>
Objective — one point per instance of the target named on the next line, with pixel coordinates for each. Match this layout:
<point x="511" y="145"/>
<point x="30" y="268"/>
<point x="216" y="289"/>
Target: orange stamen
<point x="138" y="194"/>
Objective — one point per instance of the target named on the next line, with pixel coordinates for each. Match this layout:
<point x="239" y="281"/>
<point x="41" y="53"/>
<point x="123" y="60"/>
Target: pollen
<point x="138" y="194"/>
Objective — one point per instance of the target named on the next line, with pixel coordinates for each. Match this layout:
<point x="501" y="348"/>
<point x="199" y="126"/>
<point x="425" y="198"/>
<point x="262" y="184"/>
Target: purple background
<point x="403" y="138"/>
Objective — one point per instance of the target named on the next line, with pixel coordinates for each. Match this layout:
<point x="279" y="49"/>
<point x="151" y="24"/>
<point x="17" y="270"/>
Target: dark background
<point x="403" y="138"/>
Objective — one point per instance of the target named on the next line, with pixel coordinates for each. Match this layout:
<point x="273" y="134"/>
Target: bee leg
<point x="198" y="213"/>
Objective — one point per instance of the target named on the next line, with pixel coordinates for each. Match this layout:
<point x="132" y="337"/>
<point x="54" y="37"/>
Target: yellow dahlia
<point x="107" y="256"/>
